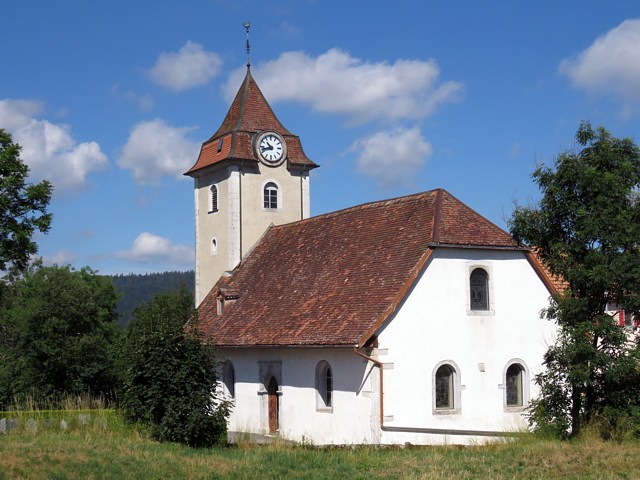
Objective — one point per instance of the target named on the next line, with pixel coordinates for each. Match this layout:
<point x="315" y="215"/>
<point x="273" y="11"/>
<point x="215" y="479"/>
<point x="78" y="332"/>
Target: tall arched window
<point x="213" y="199"/>
<point x="324" y="386"/>
<point x="514" y="385"/>
<point x="479" y="289"/>
<point x="270" y="196"/>
<point x="229" y="379"/>
<point x="445" y="388"/>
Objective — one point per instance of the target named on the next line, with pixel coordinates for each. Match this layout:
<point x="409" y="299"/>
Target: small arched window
<point x="214" y="246"/>
<point x="270" y="196"/>
<point x="479" y="289"/>
<point x="324" y="386"/>
<point x="229" y="379"/>
<point x="514" y="384"/>
<point x="445" y="388"/>
<point x="213" y="199"/>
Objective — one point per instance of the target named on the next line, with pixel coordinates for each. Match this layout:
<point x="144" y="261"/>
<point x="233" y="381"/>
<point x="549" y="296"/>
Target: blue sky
<point x="112" y="100"/>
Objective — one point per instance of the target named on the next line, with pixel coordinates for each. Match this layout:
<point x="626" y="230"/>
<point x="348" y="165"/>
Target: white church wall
<point x="435" y="325"/>
<point x="347" y="422"/>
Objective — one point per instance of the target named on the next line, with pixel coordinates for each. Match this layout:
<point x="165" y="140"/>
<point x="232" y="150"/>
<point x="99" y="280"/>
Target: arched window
<point x="214" y="246"/>
<point x="324" y="386"/>
<point x="445" y="388"/>
<point x="213" y="199"/>
<point x="514" y="385"/>
<point x="229" y="379"/>
<point x="479" y="289"/>
<point x="270" y="196"/>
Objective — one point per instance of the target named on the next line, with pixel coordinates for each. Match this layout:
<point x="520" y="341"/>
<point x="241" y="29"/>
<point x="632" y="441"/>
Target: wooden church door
<point x="274" y="405"/>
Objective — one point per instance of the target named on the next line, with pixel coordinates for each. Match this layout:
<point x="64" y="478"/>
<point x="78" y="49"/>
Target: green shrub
<point x="169" y="374"/>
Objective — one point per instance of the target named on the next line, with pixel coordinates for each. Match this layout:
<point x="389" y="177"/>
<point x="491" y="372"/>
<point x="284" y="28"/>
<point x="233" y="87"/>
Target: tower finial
<point x="246" y="26"/>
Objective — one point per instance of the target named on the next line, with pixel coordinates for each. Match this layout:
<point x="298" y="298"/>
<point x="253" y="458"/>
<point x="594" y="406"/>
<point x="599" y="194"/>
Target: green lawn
<point x="104" y="448"/>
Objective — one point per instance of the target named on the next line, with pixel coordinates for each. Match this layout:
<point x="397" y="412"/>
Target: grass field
<point x="103" y="447"/>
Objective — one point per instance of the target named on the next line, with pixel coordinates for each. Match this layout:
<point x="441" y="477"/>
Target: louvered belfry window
<point x="214" y="199"/>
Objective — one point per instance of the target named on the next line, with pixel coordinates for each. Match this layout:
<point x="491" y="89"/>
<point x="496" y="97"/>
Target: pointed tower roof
<point x="250" y="113"/>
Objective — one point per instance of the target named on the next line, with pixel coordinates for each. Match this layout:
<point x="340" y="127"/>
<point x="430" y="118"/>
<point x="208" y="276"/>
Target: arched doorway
<point x="274" y="405"/>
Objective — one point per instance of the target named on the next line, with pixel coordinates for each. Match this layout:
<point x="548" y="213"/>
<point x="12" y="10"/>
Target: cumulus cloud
<point x="190" y="67"/>
<point x="611" y="64"/>
<point x="335" y="82"/>
<point x="48" y="148"/>
<point x="155" y="149"/>
<point x="62" y="257"/>
<point x="149" y="248"/>
<point x="392" y="156"/>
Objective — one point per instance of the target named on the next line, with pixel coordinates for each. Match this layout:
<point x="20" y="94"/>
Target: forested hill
<point x="136" y="289"/>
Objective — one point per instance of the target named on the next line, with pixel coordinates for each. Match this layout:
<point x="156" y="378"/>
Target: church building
<point x="410" y="320"/>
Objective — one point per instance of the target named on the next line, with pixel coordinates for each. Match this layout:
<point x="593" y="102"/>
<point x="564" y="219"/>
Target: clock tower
<point x="250" y="174"/>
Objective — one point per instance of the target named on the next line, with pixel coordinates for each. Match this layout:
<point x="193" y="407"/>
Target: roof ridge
<point x="364" y="206"/>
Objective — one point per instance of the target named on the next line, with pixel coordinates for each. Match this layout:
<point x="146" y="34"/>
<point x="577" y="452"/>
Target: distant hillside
<point x="137" y="289"/>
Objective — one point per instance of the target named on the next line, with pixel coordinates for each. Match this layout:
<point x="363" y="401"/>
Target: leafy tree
<point x="169" y="374"/>
<point x="60" y="334"/>
<point x="586" y="230"/>
<point x="22" y="207"/>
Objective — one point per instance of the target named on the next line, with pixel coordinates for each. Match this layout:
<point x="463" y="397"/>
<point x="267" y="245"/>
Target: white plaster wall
<point x="348" y="423"/>
<point x="435" y="325"/>
<point x="208" y="225"/>
<point x="255" y="218"/>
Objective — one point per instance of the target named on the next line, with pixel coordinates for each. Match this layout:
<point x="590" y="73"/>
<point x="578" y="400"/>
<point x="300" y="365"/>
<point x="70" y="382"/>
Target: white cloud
<point x="149" y="248"/>
<point x="611" y="64"/>
<point x="192" y="66"/>
<point x="338" y="83"/>
<point x="48" y="148"/>
<point x="155" y="149"/>
<point x="61" y="258"/>
<point x="392" y="157"/>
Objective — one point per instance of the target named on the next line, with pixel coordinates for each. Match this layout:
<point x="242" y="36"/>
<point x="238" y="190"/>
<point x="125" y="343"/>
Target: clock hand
<point x="270" y="147"/>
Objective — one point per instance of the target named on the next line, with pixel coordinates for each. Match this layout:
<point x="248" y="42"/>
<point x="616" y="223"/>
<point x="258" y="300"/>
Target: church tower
<point x="250" y="174"/>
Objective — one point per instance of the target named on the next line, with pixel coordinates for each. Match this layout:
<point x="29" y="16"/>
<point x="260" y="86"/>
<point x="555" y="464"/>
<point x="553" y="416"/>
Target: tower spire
<point x="246" y="26"/>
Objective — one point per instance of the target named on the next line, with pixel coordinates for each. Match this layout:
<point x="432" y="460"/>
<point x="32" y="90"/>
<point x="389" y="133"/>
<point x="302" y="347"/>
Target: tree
<point x="60" y="332"/>
<point x="22" y="207"/>
<point x="169" y="374"/>
<point x="586" y="230"/>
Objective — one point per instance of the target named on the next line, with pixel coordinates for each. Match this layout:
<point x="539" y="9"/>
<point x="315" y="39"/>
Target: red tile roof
<point x="249" y="114"/>
<point x="333" y="279"/>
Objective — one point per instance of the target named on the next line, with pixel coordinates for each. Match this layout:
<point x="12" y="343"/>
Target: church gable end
<point x="330" y="279"/>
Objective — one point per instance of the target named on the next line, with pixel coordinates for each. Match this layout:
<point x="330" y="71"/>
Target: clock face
<point x="270" y="147"/>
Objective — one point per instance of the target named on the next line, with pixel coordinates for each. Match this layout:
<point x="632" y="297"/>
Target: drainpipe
<point x="378" y="364"/>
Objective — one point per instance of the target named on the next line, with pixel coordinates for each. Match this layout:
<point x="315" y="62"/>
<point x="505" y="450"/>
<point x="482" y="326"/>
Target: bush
<point x="169" y="374"/>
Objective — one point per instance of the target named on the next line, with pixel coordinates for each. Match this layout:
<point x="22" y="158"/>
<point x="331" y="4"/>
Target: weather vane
<point x="246" y="26"/>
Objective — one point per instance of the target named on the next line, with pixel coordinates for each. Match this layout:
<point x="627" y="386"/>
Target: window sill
<point x="481" y="313"/>
<point x="515" y="409"/>
<point x="324" y="409"/>
<point x="446" y="411"/>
